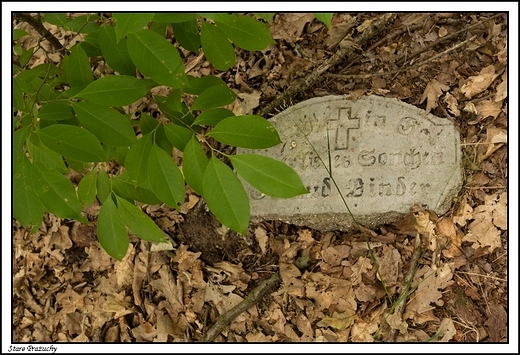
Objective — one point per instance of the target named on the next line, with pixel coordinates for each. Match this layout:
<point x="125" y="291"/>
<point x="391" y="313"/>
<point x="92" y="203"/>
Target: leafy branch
<point x="65" y="119"/>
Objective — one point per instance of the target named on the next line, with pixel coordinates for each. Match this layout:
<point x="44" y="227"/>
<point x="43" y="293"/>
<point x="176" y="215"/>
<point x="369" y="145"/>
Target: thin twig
<point x="366" y="76"/>
<point x="314" y="77"/>
<point x="254" y="297"/>
<point x="399" y="61"/>
<point x="408" y="283"/>
<point x="38" y="26"/>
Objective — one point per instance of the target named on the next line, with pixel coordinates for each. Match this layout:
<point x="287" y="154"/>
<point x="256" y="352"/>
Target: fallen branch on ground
<point x="313" y="78"/>
<point x="253" y="298"/>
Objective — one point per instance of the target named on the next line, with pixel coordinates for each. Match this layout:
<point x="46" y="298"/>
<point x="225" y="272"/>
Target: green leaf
<point x="56" y="192"/>
<point x="138" y="222"/>
<point x="136" y="162"/>
<point x="103" y="186"/>
<point x="212" y="116"/>
<point x="40" y="153"/>
<point x="174" y="17"/>
<point x="25" y="56"/>
<point x="246" y="32"/>
<point x="72" y="142"/>
<point x="179" y="136"/>
<point x="58" y="19"/>
<point x="87" y="188"/>
<point x="165" y="177"/>
<point x="18" y="94"/>
<point x="114" y="52"/>
<point x="267" y="16"/>
<point x="20" y="136"/>
<point x="199" y="85"/>
<point x="111" y="231"/>
<point x="217" y="48"/>
<point x="250" y="131"/>
<point x="172" y="103"/>
<point x="215" y="96"/>
<point x="123" y="187"/>
<point x="187" y="34"/>
<point x="18" y="33"/>
<point x="157" y="58"/>
<point x="27" y="207"/>
<point x="226" y="196"/>
<point x="107" y="124"/>
<point x="194" y="163"/>
<point x="159" y="28"/>
<point x="147" y="123"/>
<point x="83" y="24"/>
<point x="115" y="90"/>
<point x="326" y="18"/>
<point x="120" y="155"/>
<point x="268" y="175"/>
<point x="56" y="111"/>
<point x="129" y="23"/>
<point x="77" y="68"/>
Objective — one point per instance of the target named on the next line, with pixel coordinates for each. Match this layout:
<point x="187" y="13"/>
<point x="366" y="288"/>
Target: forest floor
<point x="67" y="289"/>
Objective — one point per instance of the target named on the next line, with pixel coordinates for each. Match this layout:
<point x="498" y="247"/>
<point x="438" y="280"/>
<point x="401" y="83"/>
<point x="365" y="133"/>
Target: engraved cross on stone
<point x="341" y="127"/>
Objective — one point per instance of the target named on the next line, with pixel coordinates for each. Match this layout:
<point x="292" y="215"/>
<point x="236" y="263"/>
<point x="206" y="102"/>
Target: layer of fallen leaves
<point x="67" y="289"/>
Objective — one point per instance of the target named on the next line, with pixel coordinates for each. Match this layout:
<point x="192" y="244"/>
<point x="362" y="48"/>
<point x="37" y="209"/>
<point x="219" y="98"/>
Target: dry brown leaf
<point x="432" y="93"/>
<point x="395" y="321"/>
<point x="304" y="326"/>
<point x="236" y="274"/>
<point x="495" y="138"/>
<point x="164" y="328"/>
<point x="447" y="329"/>
<point x="368" y="293"/>
<point x="139" y="273"/>
<point x="361" y="331"/>
<point x="261" y="238"/>
<point x="305" y="236"/>
<point x="339" y="31"/>
<point x="245" y="103"/>
<point x="221" y="296"/>
<point x="334" y="255"/>
<point x="452" y="104"/>
<point x="170" y="288"/>
<point x="144" y="332"/>
<point x="61" y="238"/>
<point x="289" y="26"/>
<point x="186" y="258"/>
<point x="361" y="266"/>
<point x="389" y="265"/>
<point x="445" y="228"/>
<point x="482" y="231"/>
<point x="495" y="135"/>
<point x="488" y="108"/>
<point x="124" y="269"/>
<point x="501" y="93"/>
<point x="366" y="24"/>
<point x="500" y="212"/>
<point x="116" y="303"/>
<point x="497" y="323"/>
<point x="502" y="55"/>
<point x="463" y="214"/>
<point x="98" y="259"/>
<point x="339" y="321"/>
<point x="477" y="84"/>
<point x="428" y="290"/>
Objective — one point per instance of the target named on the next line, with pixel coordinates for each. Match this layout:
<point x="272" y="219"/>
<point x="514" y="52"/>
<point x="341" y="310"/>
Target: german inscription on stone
<point x="385" y="156"/>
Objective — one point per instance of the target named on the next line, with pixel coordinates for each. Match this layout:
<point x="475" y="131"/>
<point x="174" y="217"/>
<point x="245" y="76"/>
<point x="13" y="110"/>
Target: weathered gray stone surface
<point x="385" y="155"/>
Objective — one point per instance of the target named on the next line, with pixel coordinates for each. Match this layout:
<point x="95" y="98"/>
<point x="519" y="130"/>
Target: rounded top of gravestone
<point x="384" y="156"/>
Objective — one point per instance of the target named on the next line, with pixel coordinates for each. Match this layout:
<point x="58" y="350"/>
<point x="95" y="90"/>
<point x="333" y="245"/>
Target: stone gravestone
<point x="385" y="156"/>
